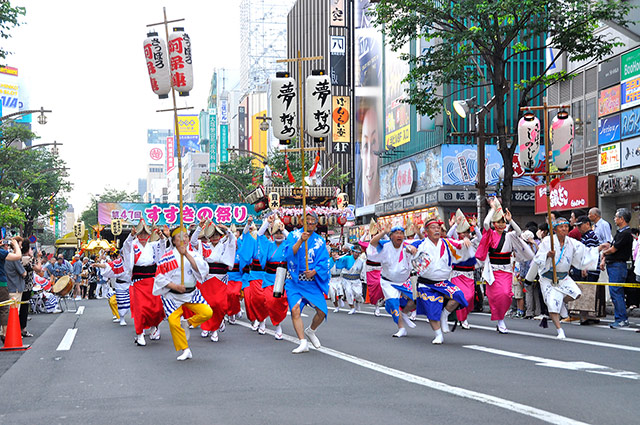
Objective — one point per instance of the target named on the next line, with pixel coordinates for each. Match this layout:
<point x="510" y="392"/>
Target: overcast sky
<point x="84" y="61"/>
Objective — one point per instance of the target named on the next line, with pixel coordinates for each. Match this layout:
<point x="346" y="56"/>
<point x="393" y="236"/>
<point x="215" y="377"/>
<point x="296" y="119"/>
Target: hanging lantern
<point x="332" y="220"/>
<point x="274" y="201"/>
<point x="561" y="136"/>
<point x="78" y="229"/>
<point x="294" y="220"/>
<point x="155" y="53"/>
<point x="181" y="62"/>
<point x="116" y="226"/>
<point x="286" y="220"/>
<point x="342" y="200"/>
<point x="529" y="140"/>
<point x="284" y="101"/>
<point x="259" y="206"/>
<point x="318" y="104"/>
<point x="322" y="220"/>
<point x="342" y="220"/>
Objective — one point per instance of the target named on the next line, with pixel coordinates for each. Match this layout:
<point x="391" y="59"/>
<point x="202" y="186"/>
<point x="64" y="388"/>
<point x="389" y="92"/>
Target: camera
<point x="6" y="242"/>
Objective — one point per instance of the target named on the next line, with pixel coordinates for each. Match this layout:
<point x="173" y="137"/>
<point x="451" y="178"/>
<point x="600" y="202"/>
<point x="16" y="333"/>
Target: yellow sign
<point x="189" y="125"/>
<point x="341" y="119"/>
<point x="258" y="137"/>
<point x="398" y="137"/>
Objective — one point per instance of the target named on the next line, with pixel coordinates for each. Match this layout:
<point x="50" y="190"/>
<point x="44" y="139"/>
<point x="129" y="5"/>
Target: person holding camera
<point x="5" y="255"/>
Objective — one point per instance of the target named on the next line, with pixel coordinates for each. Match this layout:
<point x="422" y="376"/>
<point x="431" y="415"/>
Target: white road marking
<point x="535" y="335"/>
<point x="523" y="409"/>
<point x="67" y="341"/>
<point x="80" y="310"/>
<point x="578" y="365"/>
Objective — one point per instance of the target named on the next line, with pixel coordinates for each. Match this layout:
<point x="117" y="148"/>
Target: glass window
<point x="577" y="114"/>
<point x="591" y="121"/>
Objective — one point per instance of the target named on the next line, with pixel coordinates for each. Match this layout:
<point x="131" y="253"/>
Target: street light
<point x="264" y="125"/>
<point x="463" y="107"/>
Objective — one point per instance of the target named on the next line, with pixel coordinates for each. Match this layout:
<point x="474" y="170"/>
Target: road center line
<point x="67" y="340"/>
<point x="80" y="310"/>
<point x="523" y="409"/>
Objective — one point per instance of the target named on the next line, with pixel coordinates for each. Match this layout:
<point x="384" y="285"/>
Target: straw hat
<point x="143" y="226"/>
<point x="497" y="213"/>
<point x="462" y="222"/>
<point x="373" y="227"/>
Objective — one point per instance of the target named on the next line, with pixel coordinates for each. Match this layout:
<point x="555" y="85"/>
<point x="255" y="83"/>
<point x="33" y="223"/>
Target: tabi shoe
<point x="341" y="303"/>
<point x="254" y="326"/>
<point x="311" y="335"/>
<point x="407" y="321"/>
<point x="115" y="319"/>
<point x="239" y="315"/>
<point x="444" y="325"/>
<point x="186" y="354"/>
<point x="122" y="322"/>
<point x="377" y="311"/>
<point x="439" y="339"/>
<point x="214" y="336"/>
<point x="204" y="334"/>
<point x="352" y="311"/>
<point x="413" y="314"/>
<point x="302" y="348"/>
<point x="27" y="334"/>
<point x="502" y="329"/>
<point x="358" y="306"/>
<point x="262" y="328"/>
<point x="185" y="326"/>
<point x="140" y="340"/>
<point x="278" y="334"/>
<point x="401" y="332"/>
<point x="222" y="327"/>
<point x="465" y="325"/>
<point x="155" y="333"/>
<point x="232" y="319"/>
<point x="336" y="310"/>
<point x="561" y="334"/>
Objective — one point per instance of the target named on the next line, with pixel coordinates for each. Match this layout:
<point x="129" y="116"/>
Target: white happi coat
<point x="169" y="271"/>
<point x="441" y="256"/>
<point x="396" y="267"/>
<point x="573" y="253"/>
<point x="224" y="252"/>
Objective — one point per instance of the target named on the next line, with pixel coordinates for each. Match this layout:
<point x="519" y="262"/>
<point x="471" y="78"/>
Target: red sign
<point x="567" y="195"/>
<point x="518" y="171"/>
<point x="156" y="154"/>
<point x="170" y="155"/>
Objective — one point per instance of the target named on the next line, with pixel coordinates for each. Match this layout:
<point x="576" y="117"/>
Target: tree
<point x="8" y="19"/>
<point x="473" y="43"/>
<point x="90" y="214"/>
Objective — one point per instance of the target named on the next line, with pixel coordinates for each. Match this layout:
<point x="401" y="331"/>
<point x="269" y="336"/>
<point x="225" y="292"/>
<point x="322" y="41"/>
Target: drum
<point x="278" y="286"/>
<point x="63" y="286"/>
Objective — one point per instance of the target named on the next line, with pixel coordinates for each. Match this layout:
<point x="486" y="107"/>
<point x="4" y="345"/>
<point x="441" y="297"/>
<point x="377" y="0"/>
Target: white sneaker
<point x="302" y="348"/>
<point x="122" y="322"/>
<point x="465" y="325"/>
<point x="407" y="321"/>
<point x="439" y="339"/>
<point x="186" y="354"/>
<point x="204" y="334"/>
<point x="401" y="332"/>
<point x="140" y="340"/>
<point x="185" y="325"/>
<point x="232" y="319"/>
<point x="214" y="336"/>
<point x="336" y="310"/>
<point x="155" y="333"/>
<point x="444" y="325"/>
<point x="254" y="326"/>
<point x="561" y="334"/>
<point x="413" y="314"/>
<point x="311" y="334"/>
<point x="352" y="311"/>
<point x="377" y="311"/>
<point x="278" y="335"/>
<point x="57" y="310"/>
<point x="222" y="327"/>
<point x="115" y="319"/>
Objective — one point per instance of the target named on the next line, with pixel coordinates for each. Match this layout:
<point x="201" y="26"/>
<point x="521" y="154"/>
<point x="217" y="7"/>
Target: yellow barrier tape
<point x="10" y="302"/>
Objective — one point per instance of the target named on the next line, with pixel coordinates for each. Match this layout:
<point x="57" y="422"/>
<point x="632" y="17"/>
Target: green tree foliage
<point x="9" y="18"/>
<point x="90" y="214"/>
<point x="473" y="43"/>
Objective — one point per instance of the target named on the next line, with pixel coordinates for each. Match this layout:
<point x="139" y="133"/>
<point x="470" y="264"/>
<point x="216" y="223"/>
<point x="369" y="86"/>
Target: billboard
<point x="157" y="154"/>
<point x="630" y="123"/>
<point x="170" y="154"/>
<point x="609" y="129"/>
<point x="609" y="157"/>
<point x="609" y="101"/>
<point x="630" y="152"/>
<point x="224" y="142"/>
<point x="213" y="139"/>
<point x="338" y="60"/>
<point x="337" y="13"/>
<point x="12" y="97"/>
<point x="259" y="137"/>
<point x="397" y="129"/>
<point x="189" y="128"/>
<point x="609" y="72"/>
<point x="341" y="114"/>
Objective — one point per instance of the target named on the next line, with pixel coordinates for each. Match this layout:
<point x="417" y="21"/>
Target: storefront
<point x="577" y="195"/>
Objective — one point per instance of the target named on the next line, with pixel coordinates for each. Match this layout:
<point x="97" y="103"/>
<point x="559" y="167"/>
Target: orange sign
<point x="341" y="119"/>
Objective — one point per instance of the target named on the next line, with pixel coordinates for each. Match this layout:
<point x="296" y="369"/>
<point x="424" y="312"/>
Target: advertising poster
<point x="189" y="127"/>
<point x="12" y="97"/>
<point x="427" y="167"/>
<point x="338" y="60"/>
<point x="609" y="158"/>
<point x="630" y="152"/>
<point x="609" y="129"/>
<point x="609" y="101"/>
<point x="396" y="112"/>
<point x="630" y="123"/>
<point x="160" y="214"/>
<point x="341" y="120"/>
<point x="630" y="93"/>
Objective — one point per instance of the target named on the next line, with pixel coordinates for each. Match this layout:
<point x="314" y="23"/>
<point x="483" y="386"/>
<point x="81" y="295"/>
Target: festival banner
<point x="131" y="212"/>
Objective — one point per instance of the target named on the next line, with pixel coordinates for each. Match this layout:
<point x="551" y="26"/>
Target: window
<point x="591" y="121"/>
<point x="576" y="113"/>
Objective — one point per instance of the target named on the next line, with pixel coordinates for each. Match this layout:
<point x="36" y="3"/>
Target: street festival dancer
<point x="352" y="269"/>
<point x="498" y="245"/>
<point x="175" y="295"/>
<point x="144" y="250"/>
<point x="567" y="252"/>
<point x="395" y="257"/>
<point x="372" y="271"/>
<point x="254" y="298"/>
<point x="437" y="295"/>
<point x="462" y="275"/>
<point x="272" y="257"/>
<point x="216" y="244"/>
<point x="336" y="292"/>
<point x="115" y="269"/>
<point x="234" y="284"/>
<point x="307" y="285"/>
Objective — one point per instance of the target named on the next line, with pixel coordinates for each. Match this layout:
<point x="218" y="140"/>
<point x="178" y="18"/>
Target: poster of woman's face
<point x="368" y="147"/>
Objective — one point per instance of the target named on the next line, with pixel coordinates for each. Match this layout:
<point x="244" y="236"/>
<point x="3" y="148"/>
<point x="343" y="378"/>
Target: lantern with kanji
<point x="155" y="54"/>
<point x="284" y="101"/>
<point x="529" y="140"/>
<point x="180" y="61"/>
<point x="317" y="101"/>
<point x="561" y="135"/>
<point x="286" y="220"/>
<point x="78" y="232"/>
<point x="274" y="201"/>
<point x="342" y="200"/>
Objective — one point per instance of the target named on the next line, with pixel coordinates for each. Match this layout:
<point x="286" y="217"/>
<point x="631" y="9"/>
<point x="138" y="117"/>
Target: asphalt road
<point x="361" y="375"/>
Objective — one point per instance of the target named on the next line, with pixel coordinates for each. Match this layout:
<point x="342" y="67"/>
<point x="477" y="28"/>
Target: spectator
<point x="589" y="239"/>
<point x="5" y="255"/>
<point x="61" y="267"/>
<point x="615" y="258"/>
<point x="31" y="264"/>
<point x="93" y="278"/>
<point x="77" y="271"/>
<point x="574" y="232"/>
<point x="15" y="275"/>
<point x="531" y="288"/>
<point x="601" y="227"/>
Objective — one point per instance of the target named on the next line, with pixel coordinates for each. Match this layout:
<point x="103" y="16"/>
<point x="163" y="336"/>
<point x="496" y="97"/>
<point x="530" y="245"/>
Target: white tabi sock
<point x="439" y="339"/>
<point x="444" y="325"/>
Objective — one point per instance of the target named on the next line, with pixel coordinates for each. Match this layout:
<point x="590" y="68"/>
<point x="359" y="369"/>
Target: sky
<point x="84" y="61"/>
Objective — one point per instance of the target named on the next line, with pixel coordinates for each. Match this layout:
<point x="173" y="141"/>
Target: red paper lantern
<point x="342" y="220"/>
<point x="286" y="220"/>
<point x="181" y="61"/>
<point x="155" y="53"/>
<point x="259" y="206"/>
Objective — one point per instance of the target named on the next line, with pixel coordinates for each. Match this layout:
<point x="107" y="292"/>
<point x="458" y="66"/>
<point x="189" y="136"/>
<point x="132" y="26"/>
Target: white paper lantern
<point x="284" y="103"/>
<point x="318" y="105"/>
<point x="155" y="53"/>
<point x="529" y="140"/>
<point x="561" y="136"/>
<point x="180" y="61"/>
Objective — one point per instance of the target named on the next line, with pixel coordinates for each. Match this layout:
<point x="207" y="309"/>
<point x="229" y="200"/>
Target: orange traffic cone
<point x="13" y="338"/>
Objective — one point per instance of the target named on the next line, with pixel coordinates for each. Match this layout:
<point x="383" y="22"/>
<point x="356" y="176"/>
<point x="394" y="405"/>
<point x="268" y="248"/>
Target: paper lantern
<point x="317" y="101"/>
<point x="259" y="206"/>
<point x="342" y="220"/>
<point x="529" y="140"/>
<point x="561" y="136"/>
<point x="322" y="220"/>
<point x="155" y="53"/>
<point x="181" y="62"/>
<point x="286" y="220"/>
<point x="342" y="200"/>
<point x="284" y="103"/>
<point x="295" y="220"/>
<point x="332" y="220"/>
<point x="78" y="229"/>
<point x="116" y="226"/>
<point x="274" y="201"/>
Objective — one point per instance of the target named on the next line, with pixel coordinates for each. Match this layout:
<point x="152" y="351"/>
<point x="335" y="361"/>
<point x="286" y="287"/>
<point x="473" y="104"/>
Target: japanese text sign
<point x="341" y="119"/>
<point x="169" y="214"/>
